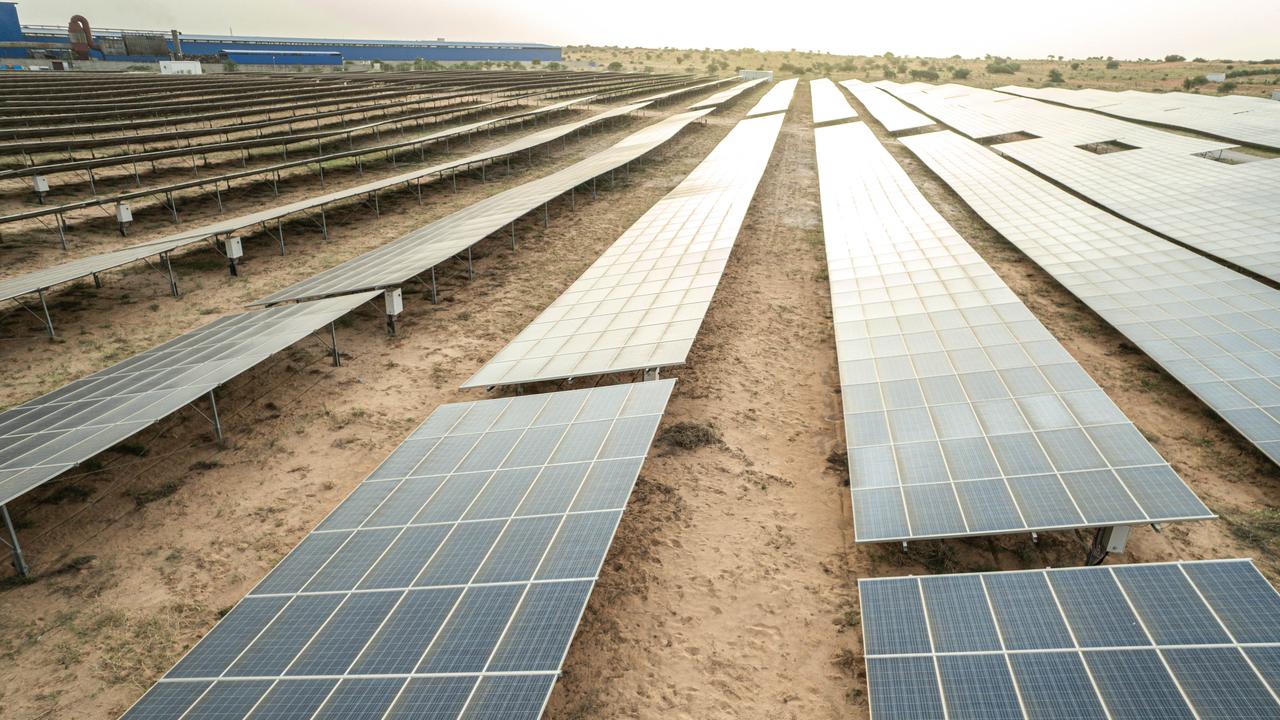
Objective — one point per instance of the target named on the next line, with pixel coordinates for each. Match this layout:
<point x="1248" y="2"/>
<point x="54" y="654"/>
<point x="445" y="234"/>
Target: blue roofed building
<point x="69" y="42"/>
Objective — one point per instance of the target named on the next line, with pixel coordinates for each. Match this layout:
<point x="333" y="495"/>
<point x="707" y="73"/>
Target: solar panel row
<point x="1213" y="329"/>
<point x="1227" y="211"/>
<point x="963" y="414"/>
<point x="886" y="109"/>
<point x="1172" y="640"/>
<point x="829" y="104"/>
<point x="66" y="272"/>
<point x="640" y="305"/>
<point x="1250" y="120"/>
<point x="449" y="584"/>
<point x="778" y="99"/>
<point x="724" y="96"/>
<point x="980" y="113"/>
<point x="46" y="436"/>
<point x="423" y="248"/>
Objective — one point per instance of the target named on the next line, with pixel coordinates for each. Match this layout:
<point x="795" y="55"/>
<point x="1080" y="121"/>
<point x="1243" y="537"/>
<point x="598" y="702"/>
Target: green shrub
<point x="960" y="73"/>
<point x="1113" y="64"/>
<point x="927" y="75"/>
<point x="1174" y="58"/>
<point x="1055" y="75"/>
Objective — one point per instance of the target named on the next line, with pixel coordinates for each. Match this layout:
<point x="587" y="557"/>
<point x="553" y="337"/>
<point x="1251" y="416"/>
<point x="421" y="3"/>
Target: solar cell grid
<point x="1255" y="121"/>
<point x="726" y="95"/>
<point x="1053" y="661"/>
<point x="778" y="99"/>
<point x="829" y="105"/>
<point x="1227" y="211"/>
<point x="459" y="606"/>
<point x="886" y="109"/>
<point x="980" y="113"/>
<point x="640" y="305"/>
<point x="963" y="414"/>
<point x="46" y="436"/>
<point x="1213" y="329"/>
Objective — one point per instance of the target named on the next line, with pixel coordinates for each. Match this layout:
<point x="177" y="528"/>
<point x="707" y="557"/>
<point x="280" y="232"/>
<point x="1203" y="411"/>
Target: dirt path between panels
<point x="727" y="593"/>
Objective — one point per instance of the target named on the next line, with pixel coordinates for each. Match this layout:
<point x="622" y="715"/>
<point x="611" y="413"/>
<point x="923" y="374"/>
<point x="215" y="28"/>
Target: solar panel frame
<point x="963" y="414"/>
<point x="456" y="642"/>
<point x="641" y="304"/>
<point x="42" y="438"/>
<point x="1134" y="675"/>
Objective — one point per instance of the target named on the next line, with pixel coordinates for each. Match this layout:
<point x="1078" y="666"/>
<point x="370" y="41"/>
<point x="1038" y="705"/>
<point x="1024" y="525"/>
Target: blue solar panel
<point x="1126" y="642"/>
<point x="448" y="585"/>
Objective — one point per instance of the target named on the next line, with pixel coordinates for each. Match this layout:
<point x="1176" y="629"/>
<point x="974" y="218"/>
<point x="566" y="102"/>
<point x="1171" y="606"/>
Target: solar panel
<point x="1228" y="211"/>
<point x="65" y="272"/>
<point x="46" y="436"/>
<point x="1170" y="640"/>
<point x="1249" y="120"/>
<point x="1213" y="329"/>
<point x="886" y="109"/>
<point x="980" y="113"/>
<point x="963" y="414"/>
<point x="448" y="584"/>
<point x="724" y="96"/>
<point x="829" y="104"/>
<point x="778" y="99"/>
<point x="423" y="248"/>
<point x="640" y="305"/>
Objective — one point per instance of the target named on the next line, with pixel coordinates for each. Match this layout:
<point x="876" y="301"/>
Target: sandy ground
<point x="730" y="591"/>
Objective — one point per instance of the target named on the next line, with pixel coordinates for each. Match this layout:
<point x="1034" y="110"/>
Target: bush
<point x="1055" y="75"/>
<point x="927" y="75"/>
<point x="1174" y="58"/>
<point x="1075" y="66"/>
<point x="960" y="73"/>
<point x="1226" y="87"/>
<point x="1002" y="68"/>
<point x="1191" y="82"/>
<point x="614" y="66"/>
<point x="1255" y="71"/>
<point x="1113" y="64"/>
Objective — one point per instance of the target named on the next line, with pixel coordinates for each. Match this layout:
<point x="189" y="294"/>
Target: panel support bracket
<point x="19" y="561"/>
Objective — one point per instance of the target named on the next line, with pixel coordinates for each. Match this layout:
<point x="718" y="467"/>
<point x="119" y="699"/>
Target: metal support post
<point x="217" y="423"/>
<point x="48" y="321"/>
<point x="435" y="291"/>
<point x="333" y="338"/>
<point x="173" y="283"/>
<point x="513" y="234"/>
<point x="62" y="229"/>
<point x="19" y="562"/>
<point x="471" y="272"/>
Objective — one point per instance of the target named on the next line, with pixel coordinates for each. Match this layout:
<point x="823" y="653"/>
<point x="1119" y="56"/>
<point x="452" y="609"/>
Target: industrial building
<point x="78" y="41"/>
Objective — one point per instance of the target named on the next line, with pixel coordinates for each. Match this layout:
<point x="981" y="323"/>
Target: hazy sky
<point x="1240" y="29"/>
